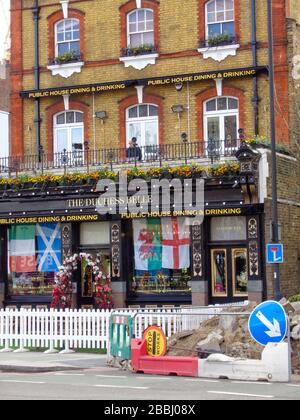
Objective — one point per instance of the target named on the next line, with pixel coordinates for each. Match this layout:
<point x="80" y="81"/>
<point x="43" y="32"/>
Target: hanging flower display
<point x="62" y="292"/>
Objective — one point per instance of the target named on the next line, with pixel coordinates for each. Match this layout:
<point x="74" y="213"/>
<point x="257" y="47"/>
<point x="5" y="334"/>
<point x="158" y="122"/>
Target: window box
<point x="219" y="47"/>
<point x="139" y="57"/>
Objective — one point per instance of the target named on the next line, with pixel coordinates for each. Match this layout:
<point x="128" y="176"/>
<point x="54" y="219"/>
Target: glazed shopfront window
<point x="34" y="256"/>
<point x="162" y="262"/>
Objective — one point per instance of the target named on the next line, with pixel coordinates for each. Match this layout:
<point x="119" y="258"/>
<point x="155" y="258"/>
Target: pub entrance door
<point x="86" y="285"/>
<point x="228" y="274"/>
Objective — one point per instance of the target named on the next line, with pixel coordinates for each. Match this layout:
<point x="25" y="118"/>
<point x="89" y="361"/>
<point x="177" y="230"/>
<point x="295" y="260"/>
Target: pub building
<point x="193" y="93"/>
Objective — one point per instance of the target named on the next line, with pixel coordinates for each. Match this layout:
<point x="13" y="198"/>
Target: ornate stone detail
<point x="219" y="53"/>
<point x="197" y="250"/>
<point x="66" y="236"/>
<point x="252" y="228"/>
<point x="139" y="62"/>
<point x="116" y="251"/>
<point x="253" y="258"/>
<point x="66" y="70"/>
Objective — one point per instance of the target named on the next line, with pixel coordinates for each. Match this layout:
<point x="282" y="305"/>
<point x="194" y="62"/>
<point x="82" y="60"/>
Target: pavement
<point x="34" y="362"/>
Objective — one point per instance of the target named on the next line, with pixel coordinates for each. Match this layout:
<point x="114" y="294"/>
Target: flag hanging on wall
<point x="49" y="247"/>
<point x="175" y="243"/>
<point x="147" y="244"/>
<point x="22" y="256"/>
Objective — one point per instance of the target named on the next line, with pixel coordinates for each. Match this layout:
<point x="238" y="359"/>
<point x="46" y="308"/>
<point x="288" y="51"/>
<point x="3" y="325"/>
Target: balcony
<point x="139" y="57"/>
<point x="219" y="48"/>
<point x="205" y="153"/>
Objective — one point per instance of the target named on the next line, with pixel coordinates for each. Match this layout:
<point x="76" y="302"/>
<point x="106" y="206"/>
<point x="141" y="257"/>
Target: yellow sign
<point x="156" y="341"/>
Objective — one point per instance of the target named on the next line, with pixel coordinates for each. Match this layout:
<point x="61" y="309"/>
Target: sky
<point x="4" y="16"/>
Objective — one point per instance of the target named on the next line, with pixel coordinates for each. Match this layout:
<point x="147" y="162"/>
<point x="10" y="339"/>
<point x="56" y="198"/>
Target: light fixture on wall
<point x="177" y="109"/>
<point x="178" y="86"/>
<point x="102" y="115"/>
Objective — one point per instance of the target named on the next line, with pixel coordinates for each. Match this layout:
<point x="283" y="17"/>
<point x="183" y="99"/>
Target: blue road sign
<point x="268" y="323"/>
<point x="274" y="253"/>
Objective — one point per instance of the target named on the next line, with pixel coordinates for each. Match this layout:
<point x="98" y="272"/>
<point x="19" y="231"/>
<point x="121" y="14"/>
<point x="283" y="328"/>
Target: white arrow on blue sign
<point x="268" y="323"/>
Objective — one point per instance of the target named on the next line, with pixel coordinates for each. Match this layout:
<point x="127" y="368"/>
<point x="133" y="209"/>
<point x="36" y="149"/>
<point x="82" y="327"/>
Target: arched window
<point x="221" y="119"/>
<point x="220" y="18"/>
<point x="68" y="132"/>
<point x="140" y="28"/>
<point x="142" y="123"/>
<point x="67" y="37"/>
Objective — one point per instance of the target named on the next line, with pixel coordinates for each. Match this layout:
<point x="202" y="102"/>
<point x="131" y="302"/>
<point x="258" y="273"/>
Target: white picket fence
<point x="88" y="329"/>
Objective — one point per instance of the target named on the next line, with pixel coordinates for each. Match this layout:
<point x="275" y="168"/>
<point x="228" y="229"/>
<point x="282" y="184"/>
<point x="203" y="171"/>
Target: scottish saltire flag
<point x="147" y="244"/>
<point x="22" y="257"/>
<point x="48" y="247"/>
<point x="175" y="243"/>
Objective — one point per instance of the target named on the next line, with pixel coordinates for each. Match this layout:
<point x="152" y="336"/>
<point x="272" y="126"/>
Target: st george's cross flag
<point x="147" y="244"/>
<point x="22" y="258"/>
<point x="49" y="247"/>
<point x="175" y="243"/>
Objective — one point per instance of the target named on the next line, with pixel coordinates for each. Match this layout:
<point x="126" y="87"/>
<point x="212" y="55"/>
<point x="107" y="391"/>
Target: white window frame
<point x="217" y="22"/>
<point x="139" y="32"/>
<point x="69" y="127"/>
<point x="221" y="114"/>
<point x="142" y="121"/>
<point x="69" y="41"/>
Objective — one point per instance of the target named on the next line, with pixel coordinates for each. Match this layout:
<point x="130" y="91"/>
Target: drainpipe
<point x="37" y="120"/>
<point x="255" y="98"/>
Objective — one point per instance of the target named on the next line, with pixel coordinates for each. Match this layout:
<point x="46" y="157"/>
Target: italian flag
<point x="22" y="249"/>
<point x="147" y="244"/>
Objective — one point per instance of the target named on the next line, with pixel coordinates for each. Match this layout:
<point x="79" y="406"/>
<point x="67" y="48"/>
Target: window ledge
<point x="139" y="62"/>
<point x="219" y="53"/>
<point x="66" y="70"/>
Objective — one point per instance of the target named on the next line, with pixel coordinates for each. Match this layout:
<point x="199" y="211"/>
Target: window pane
<point x="143" y="111"/>
<point x="219" y="273"/>
<point x="228" y="28"/>
<point x="76" y="35"/>
<point x="79" y="117"/>
<point x="230" y="123"/>
<point x="211" y="105"/>
<point x="70" y="117"/>
<point x="228" y="228"/>
<point x="75" y="25"/>
<point x="60" y="26"/>
<point x="213" y="128"/>
<point x="68" y="36"/>
<point x="153" y="111"/>
<point x="60" y="119"/>
<point x="74" y="46"/>
<point x="134" y="130"/>
<point x="229" y="4"/>
<point x="229" y="15"/>
<point x="240" y="272"/>
<point x="63" y="48"/>
<point x="62" y="140"/>
<point x="132" y="27"/>
<point x="211" y="7"/>
<point x="135" y="40"/>
<point x="141" y="26"/>
<point x="60" y="37"/>
<point x="132" y="17"/>
<point x="148" y="38"/>
<point x="219" y="5"/>
<point x="149" y="15"/>
<point x="220" y="16"/>
<point x="95" y="233"/>
<point x="77" y="139"/>
<point x="222" y="104"/>
<point x="141" y="15"/>
<point x="151" y="133"/>
<point x="132" y="113"/>
<point x="214" y="30"/>
<point x="232" y="103"/>
<point x="149" y="25"/>
<point x="68" y="25"/>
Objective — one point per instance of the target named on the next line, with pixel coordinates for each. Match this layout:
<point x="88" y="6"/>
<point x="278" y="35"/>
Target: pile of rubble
<point x="229" y="335"/>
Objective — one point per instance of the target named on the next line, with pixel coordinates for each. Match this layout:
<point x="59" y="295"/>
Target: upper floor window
<point x="69" y="132"/>
<point x="67" y="36"/>
<point x="221" y="119"/>
<point x="220" y="18"/>
<point x="140" y="28"/>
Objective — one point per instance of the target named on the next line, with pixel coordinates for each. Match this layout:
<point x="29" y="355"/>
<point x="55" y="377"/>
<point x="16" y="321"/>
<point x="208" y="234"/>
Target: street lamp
<point x="275" y="232"/>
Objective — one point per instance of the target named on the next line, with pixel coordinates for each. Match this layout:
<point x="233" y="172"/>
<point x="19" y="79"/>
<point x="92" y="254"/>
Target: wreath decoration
<point x="62" y="292"/>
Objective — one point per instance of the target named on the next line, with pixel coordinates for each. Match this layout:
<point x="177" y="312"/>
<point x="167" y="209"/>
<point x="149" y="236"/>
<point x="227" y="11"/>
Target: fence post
<point x="22" y="333"/>
<point x="51" y="350"/>
<point x="6" y="349"/>
<point x="67" y="349"/>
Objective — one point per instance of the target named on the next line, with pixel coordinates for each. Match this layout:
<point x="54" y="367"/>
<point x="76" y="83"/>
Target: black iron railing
<point x="137" y="51"/>
<point x="74" y="58"/>
<point x="211" y="150"/>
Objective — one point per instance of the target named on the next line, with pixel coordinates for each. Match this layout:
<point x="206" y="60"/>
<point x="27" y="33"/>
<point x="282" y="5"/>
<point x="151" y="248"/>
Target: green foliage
<point x="294" y="298"/>
<point x="221" y="39"/>
<point x="67" y="57"/>
<point x="142" y="49"/>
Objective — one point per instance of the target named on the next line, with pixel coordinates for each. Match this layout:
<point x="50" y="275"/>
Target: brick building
<point x="189" y="80"/>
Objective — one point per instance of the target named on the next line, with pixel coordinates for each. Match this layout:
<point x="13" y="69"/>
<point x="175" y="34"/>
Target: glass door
<point x="228" y="274"/>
